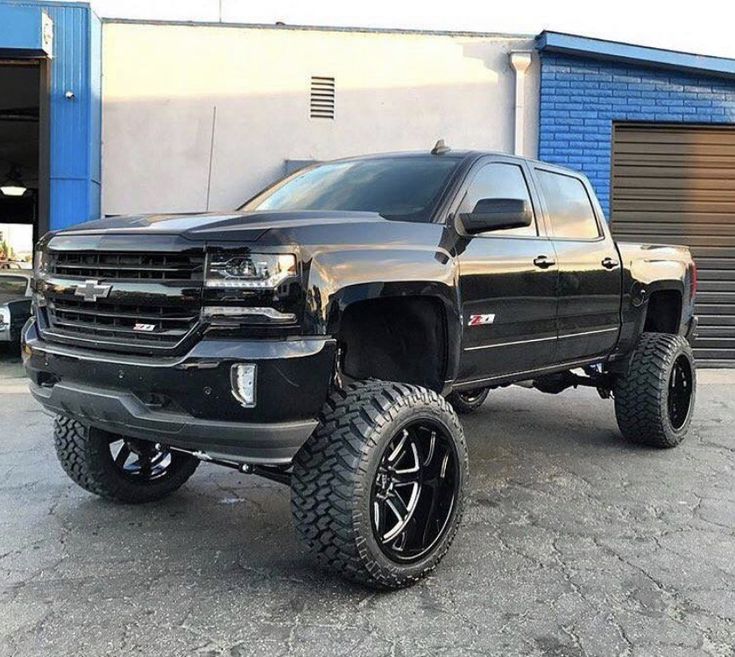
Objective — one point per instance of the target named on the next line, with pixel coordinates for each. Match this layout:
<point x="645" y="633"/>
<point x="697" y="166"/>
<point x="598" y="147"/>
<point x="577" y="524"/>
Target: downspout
<point x="520" y="61"/>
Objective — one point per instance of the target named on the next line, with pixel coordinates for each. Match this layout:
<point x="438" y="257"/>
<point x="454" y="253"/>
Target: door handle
<point x="609" y="263"/>
<point x="543" y="262"/>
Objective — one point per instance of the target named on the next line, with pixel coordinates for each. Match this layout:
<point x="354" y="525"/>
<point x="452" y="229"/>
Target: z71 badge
<point x="144" y="327"/>
<point x="477" y="320"/>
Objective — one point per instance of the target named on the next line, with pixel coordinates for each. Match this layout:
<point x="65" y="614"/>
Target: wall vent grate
<point x="322" y="98"/>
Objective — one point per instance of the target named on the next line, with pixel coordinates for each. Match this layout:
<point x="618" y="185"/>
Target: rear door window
<point x="571" y="214"/>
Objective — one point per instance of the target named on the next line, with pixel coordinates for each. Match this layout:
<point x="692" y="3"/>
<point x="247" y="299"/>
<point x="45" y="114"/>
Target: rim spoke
<point x="407" y="478"/>
<point x="432" y="448"/>
<point x="145" y="466"/>
<point x="122" y="455"/>
<point x="399" y="544"/>
<point x="415" y="466"/>
<point x="399" y="508"/>
<point x="399" y="447"/>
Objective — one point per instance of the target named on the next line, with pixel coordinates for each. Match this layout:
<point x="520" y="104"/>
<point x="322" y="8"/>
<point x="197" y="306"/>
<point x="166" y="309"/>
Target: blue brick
<point x="668" y="117"/>
<point x="698" y="102"/>
<point x="598" y="77"/>
<point x="583" y="114"/>
<point x="626" y="78"/>
<point x="552" y="113"/>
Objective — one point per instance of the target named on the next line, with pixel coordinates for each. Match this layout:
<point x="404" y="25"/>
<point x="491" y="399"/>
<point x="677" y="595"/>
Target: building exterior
<point x="150" y="116"/>
<point x="201" y="116"/>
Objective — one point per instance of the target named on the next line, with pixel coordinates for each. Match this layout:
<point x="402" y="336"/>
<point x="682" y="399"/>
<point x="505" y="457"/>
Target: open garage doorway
<point x="23" y="174"/>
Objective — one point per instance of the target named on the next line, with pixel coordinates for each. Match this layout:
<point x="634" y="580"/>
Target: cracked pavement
<point x="574" y="543"/>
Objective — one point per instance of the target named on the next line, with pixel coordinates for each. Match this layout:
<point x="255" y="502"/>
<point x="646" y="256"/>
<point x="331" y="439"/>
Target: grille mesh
<point x="130" y="266"/>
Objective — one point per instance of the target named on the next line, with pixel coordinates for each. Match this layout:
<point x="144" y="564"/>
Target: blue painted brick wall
<point x="581" y="98"/>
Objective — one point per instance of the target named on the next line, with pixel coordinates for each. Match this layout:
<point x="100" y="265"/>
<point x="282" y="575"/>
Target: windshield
<point x="405" y="188"/>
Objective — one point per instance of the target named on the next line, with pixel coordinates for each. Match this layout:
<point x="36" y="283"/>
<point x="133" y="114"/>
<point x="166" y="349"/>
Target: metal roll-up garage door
<point x="675" y="184"/>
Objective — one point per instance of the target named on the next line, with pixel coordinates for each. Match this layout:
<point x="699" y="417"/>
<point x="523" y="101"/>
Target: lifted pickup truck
<point x="326" y="334"/>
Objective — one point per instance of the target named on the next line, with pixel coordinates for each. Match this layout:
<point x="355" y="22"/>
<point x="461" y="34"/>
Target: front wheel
<point x="118" y="468"/>
<point x="377" y="491"/>
<point x="654" y="398"/>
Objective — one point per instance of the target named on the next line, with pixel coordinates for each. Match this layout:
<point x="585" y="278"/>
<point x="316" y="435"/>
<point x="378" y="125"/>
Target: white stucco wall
<point x="200" y="117"/>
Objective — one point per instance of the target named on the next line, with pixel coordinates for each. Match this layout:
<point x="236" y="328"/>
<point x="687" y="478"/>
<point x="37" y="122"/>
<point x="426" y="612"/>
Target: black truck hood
<point x="235" y="226"/>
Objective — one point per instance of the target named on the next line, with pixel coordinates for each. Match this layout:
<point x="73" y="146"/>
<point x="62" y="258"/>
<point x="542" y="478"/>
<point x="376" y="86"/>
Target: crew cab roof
<point x="464" y="154"/>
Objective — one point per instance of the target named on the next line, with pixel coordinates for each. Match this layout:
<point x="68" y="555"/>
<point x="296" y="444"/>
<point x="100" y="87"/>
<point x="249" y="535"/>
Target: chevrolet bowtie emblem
<point x="92" y="290"/>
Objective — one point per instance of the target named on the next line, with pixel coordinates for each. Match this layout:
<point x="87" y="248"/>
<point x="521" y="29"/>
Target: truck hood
<point x="235" y="226"/>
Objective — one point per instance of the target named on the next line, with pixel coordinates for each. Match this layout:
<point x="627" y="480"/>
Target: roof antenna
<point x="439" y="148"/>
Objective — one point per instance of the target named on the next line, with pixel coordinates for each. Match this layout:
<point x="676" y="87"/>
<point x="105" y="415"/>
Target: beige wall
<point x="175" y="94"/>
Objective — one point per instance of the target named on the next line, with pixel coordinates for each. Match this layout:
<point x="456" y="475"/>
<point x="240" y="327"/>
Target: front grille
<point x="153" y="304"/>
<point x="129" y="266"/>
<point x="117" y="322"/>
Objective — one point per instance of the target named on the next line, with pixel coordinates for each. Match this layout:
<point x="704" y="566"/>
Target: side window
<point x="569" y="206"/>
<point x="499" y="180"/>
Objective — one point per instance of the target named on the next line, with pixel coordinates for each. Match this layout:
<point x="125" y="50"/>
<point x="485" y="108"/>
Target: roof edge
<point x="572" y="44"/>
<point x="321" y="28"/>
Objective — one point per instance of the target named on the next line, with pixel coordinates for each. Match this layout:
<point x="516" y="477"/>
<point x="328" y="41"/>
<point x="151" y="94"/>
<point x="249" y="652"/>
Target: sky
<point x="703" y="27"/>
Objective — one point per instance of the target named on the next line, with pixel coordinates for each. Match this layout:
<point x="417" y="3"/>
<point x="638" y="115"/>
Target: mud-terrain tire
<point x="361" y="456"/>
<point x="85" y="455"/>
<point x="654" y="398"/>
<point x="467" y="401"/>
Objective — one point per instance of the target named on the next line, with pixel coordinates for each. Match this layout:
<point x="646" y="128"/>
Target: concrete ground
<point x="574" y="543"/>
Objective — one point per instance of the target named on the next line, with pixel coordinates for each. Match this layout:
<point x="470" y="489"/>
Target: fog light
<point x="242" y="377"/>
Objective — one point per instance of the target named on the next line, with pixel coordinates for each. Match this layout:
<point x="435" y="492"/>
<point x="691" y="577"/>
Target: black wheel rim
<point x="471" y="396"/>
<point x="680" y="392"/>
<point x="414" y="491"/>
<point x="139" y="460"/>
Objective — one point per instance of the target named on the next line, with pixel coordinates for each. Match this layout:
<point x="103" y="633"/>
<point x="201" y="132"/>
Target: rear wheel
<point x="468" y="401"/>
<point x="119" y="468"/>
<point x="654" y="399"/>
<point x="377" y="491"/>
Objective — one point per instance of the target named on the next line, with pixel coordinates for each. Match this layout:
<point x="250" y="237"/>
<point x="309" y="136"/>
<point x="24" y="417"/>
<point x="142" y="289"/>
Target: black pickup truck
<point x="326" y="334"/>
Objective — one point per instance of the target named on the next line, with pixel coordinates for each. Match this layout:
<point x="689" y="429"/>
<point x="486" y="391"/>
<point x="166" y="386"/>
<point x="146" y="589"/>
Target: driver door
<point x="508" y="282"/>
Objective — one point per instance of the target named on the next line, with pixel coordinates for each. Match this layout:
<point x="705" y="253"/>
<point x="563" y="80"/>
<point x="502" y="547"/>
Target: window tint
<point x="569" y="206"/>
<point x="404" y="188"/>
<point x="499" y="180"/>
<point x="13" y="286"/>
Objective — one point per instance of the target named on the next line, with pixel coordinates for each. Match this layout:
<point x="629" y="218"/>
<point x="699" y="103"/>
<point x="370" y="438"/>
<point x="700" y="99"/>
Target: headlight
<point x="251" y="270"/>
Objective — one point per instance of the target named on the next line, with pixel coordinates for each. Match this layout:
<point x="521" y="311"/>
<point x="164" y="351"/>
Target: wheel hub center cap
<point x="385" y="482"/>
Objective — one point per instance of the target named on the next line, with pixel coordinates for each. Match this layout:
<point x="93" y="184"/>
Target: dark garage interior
<point x="20" y="179"/>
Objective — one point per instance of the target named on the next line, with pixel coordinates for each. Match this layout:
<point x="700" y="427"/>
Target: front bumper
<point x="187" y="402"/>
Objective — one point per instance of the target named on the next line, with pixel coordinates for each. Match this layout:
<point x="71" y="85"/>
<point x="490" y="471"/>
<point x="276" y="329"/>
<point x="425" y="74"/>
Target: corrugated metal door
<point x="676" y="184"/>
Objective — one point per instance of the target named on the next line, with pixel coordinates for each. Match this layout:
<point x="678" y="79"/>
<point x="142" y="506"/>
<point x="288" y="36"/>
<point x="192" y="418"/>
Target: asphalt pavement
<point x="574" y="544"/>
